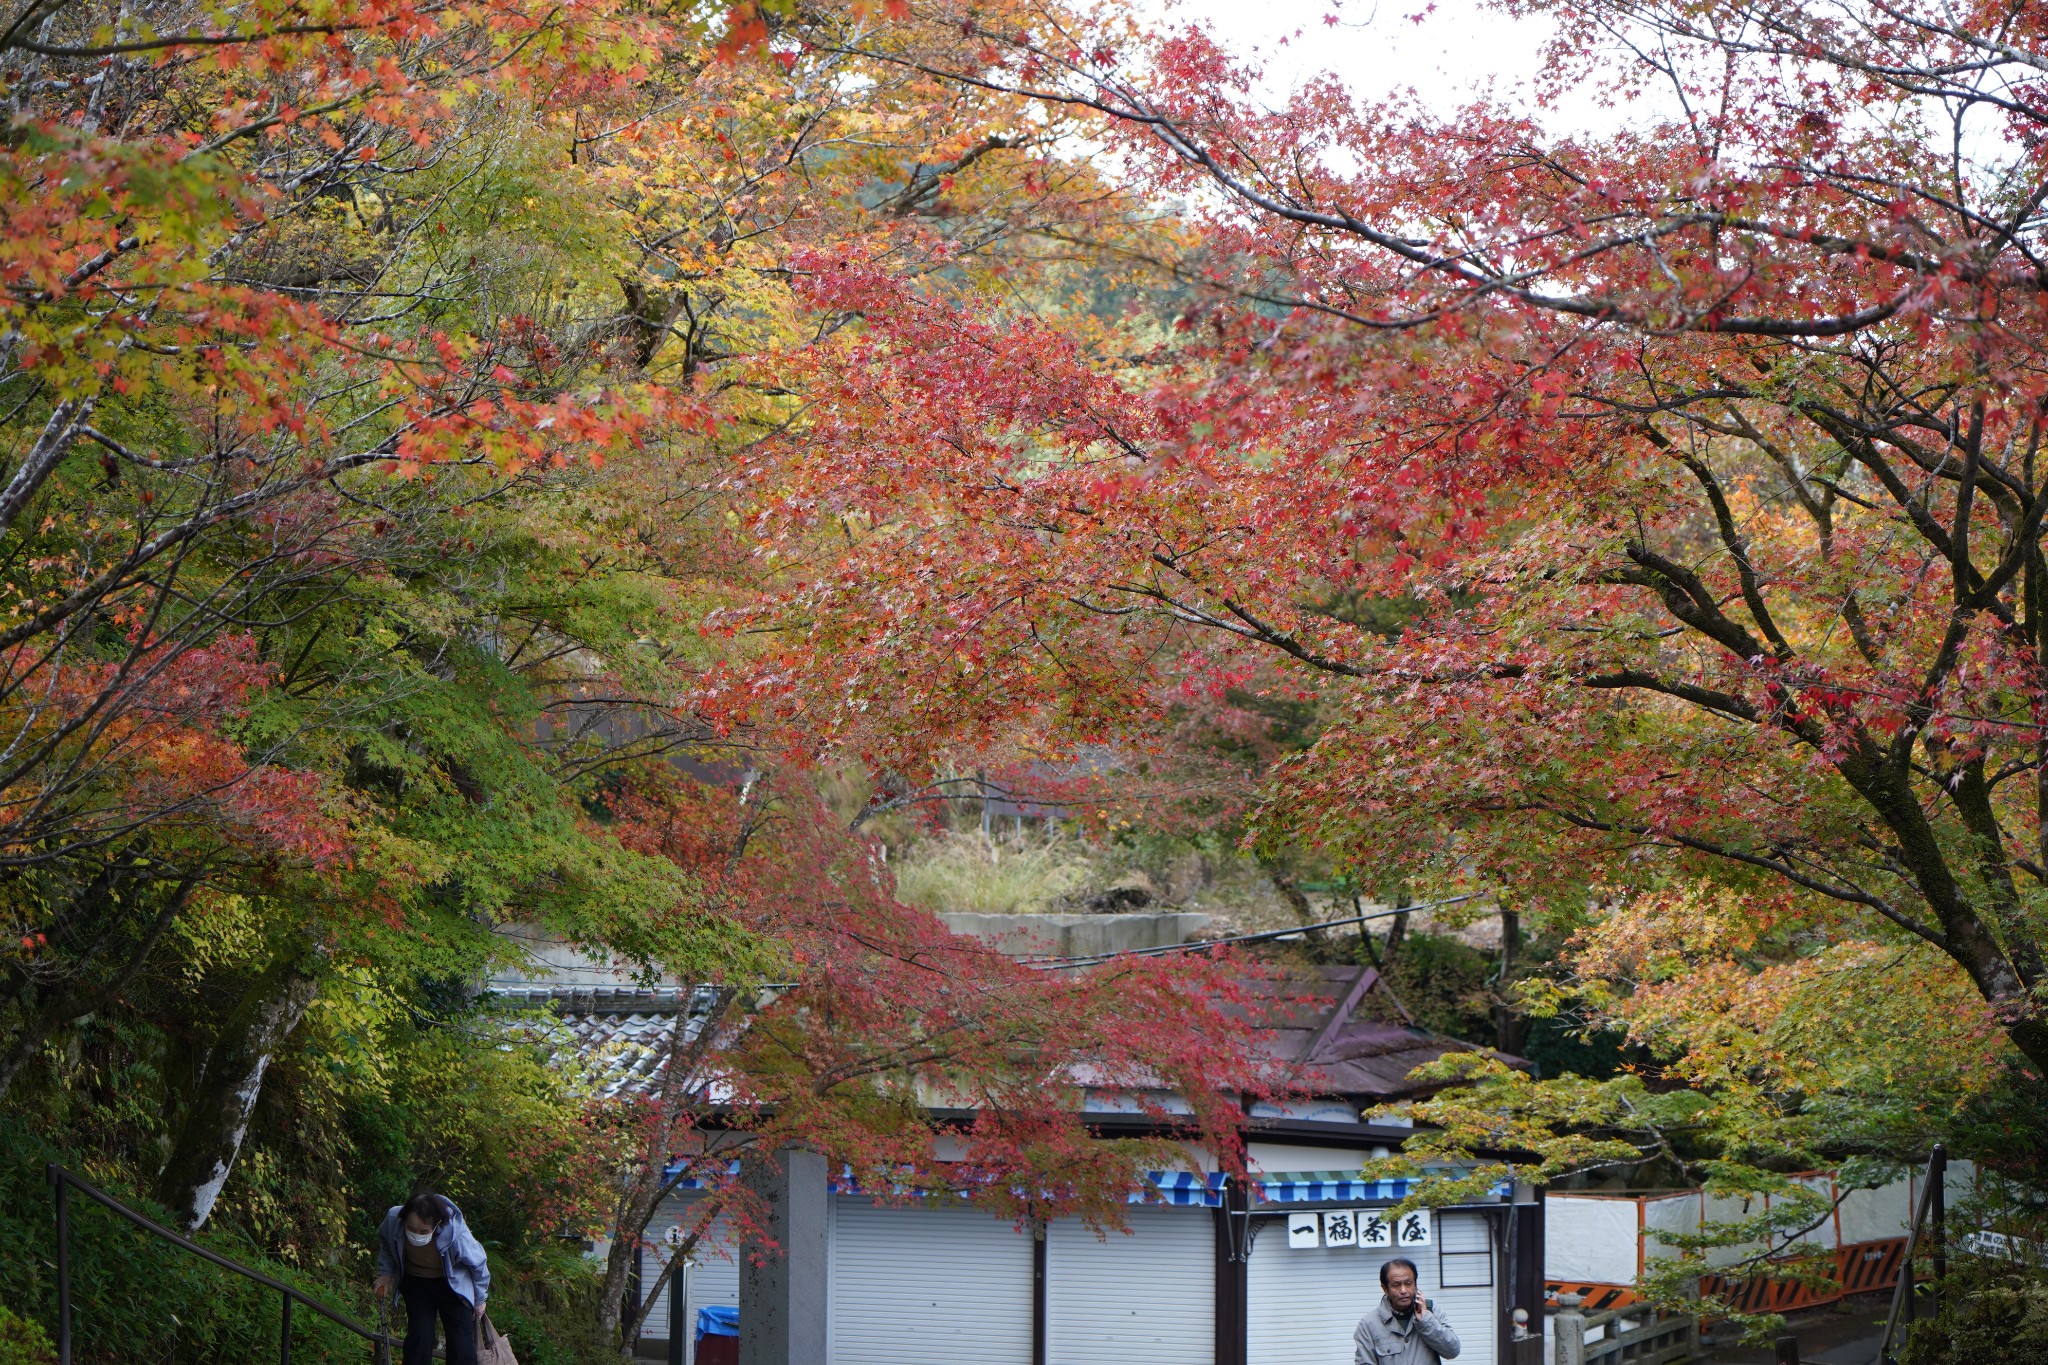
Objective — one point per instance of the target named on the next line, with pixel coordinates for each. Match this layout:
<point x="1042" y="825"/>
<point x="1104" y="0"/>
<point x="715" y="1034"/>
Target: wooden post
<point x="1788" y="1350"/>
<point x="1568" y="1331"/>
<point x="1937" y="1173"/>
<point x="63" y="1266"/>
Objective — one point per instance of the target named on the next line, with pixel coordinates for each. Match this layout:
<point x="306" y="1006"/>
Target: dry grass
<point x="970" y="871"/>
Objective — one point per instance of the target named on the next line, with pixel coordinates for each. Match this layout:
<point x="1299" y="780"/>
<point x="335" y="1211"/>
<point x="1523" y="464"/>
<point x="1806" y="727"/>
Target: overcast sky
<point x="1458" y="48"/>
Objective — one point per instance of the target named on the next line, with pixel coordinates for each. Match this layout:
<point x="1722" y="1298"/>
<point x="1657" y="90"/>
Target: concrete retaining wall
<point x="1077" y="935"/>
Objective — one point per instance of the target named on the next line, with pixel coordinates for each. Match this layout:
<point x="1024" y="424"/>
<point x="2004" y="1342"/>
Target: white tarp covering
<point x="1874" y="1215"/>
<point x="1590" y="1239"/>
<point x="1729" y="1209"/>
<point x="1823" y="1233"/>
<point x="1672" y="1213"/>
<point x="1594" y="1239"/>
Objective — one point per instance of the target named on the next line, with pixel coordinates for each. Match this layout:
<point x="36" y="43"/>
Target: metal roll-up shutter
<point x="653" y="1327"/>
<point x="1467" y="1270"/>
<point x="1148" y="1296"/>
<point x="1302" y="1303"/>
<point x="935" y="1283"/>
<point x="714" y="1280"/>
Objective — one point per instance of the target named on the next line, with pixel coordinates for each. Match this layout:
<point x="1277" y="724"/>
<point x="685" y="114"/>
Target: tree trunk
<point x="1290" y="890"/>
<point x="1396" y="931"/>
<point x="650" y="1183"/>
<point x="1509" y="1026"/>
<point x="217" y="1117"/>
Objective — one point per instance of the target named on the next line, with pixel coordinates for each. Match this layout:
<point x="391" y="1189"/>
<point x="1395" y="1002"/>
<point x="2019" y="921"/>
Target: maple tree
<point x="385" y="387"/>
<point x="919" y="1062"/>
<point x="231" y="321"/>
<point x="1697" y="462"/>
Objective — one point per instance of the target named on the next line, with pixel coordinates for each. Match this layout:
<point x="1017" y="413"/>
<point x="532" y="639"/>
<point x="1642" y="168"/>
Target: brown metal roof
<point x="1316" y="1025"/>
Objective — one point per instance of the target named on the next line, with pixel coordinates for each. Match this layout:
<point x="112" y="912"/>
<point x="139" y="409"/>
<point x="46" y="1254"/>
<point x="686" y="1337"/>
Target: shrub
<point x="23" y="1342"/>
<point x="1993" y="1313"/>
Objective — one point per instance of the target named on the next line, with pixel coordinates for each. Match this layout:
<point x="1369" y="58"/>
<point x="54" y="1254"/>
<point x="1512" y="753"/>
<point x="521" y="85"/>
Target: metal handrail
<point x="1932" y="1195"/>
<point x="65" y="1181"/>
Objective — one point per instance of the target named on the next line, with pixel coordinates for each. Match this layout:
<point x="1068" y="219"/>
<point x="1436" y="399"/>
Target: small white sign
<point x="1304" y="1230"/>
<point x="1340" y="1228"/>
<point x="674" y="1235"/>
<point x="1412" y="1230"/>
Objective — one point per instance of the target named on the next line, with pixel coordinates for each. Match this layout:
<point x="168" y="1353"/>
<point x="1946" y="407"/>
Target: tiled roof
<point x="620" y="1034"/>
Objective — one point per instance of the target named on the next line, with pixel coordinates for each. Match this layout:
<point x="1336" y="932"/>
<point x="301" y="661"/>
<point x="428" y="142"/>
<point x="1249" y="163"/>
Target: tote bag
<point x="493" y="1348"/>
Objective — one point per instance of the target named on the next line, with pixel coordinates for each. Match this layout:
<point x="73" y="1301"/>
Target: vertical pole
<point x="1788" y="1350"/>
<point x="676" y="1326"/>
<point x="1909" y="1279"/>
<point x="1937" y="1171"/>
<point x="284" y="1332"/>
<point x="63" y="1265"/>
<point x="1233" y="1247"/>
<point x="1038" y="1287"/>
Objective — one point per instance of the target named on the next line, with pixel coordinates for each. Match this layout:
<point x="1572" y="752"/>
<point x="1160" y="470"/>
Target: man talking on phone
<point x="1403" y="1329"/>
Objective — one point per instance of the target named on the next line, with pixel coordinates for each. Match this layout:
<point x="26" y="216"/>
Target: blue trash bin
<point x="718" y="1336"/>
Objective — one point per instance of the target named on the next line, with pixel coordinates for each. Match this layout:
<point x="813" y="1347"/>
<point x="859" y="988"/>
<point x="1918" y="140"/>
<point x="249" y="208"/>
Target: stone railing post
<point x="1568" y="1331"/>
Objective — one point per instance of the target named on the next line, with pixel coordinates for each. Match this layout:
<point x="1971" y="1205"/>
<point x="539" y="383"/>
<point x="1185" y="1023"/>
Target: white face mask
<point x="418" y="1239"/>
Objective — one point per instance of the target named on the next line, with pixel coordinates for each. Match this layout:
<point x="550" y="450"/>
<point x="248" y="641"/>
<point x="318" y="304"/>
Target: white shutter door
<point x="714" y="1281"/>
<point x="1466" y="1269"/>
<point x="1304" y="1303"/>
<point x="1149" y="1296"/>
<point x="937" y="1283"/>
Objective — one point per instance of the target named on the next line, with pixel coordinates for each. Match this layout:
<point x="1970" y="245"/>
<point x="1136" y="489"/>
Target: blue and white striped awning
<point x="1303" y="1187"/>
<point x="1184" y="1189"/>
<point x="698" y="1182"/>
<point x="1187" y="1189"/>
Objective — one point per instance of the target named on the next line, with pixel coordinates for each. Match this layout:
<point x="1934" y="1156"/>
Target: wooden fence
<point x="1621" y="1337"/>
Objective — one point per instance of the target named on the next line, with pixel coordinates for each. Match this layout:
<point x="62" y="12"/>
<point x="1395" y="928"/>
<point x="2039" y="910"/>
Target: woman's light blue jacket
<point x="462" y="1255"/>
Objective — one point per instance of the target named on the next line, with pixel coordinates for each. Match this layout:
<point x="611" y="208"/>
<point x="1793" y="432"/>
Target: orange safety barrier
<point x="1594" y="1298"/>
<point x="1860" y="1268"/>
